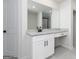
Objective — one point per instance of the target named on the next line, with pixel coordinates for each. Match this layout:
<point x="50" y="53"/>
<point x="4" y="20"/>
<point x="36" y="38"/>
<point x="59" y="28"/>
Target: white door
<point x="4" y="28"/>
<point x="10" y="28"/>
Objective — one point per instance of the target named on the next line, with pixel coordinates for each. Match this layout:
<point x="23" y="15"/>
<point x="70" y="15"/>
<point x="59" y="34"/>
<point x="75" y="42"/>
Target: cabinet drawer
<point x="39" y="38"/>
<point x="61" y="34"/>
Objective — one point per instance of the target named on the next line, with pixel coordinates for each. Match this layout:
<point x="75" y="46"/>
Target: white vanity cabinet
<point x="43" y="46"/>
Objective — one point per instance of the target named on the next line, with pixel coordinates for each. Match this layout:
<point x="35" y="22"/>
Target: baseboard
<point x="9" y="57"/>
<point x="25" y="57"/>
<point x="68" y="47"/>
<point x="57" y="46"/>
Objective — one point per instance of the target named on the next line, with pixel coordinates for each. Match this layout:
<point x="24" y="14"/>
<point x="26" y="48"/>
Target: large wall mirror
<point x="38" y="15"/>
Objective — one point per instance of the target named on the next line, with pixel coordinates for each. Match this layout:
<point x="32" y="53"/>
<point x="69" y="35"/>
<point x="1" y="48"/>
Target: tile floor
<point x="63" y="53"/>
<point x="60" y="53"/>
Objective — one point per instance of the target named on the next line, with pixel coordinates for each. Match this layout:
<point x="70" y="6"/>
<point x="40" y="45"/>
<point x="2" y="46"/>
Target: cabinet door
<point x="38" y="50"/>
<point x="49" y="47"/>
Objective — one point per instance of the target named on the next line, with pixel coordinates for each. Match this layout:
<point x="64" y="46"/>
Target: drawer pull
<point x="45" y="43"/>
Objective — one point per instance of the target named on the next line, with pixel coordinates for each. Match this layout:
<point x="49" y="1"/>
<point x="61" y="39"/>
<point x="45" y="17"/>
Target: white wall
<point x="66" y="19"/>
<point x="55" y="21"/>
<point x="74" y="4"/>
<point x="32" y="20"/>
<point x="22" y="17"/>
<point x="65" y="14"/>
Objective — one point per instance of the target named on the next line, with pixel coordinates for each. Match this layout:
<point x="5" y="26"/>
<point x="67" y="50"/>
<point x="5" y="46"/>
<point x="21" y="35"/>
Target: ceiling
<point x="61" y="0"/>
<point x="36" y="7"/>
<point x="58" y="1"/>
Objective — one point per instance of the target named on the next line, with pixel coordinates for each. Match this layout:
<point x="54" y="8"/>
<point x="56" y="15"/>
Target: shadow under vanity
<point x="41" y="38"/>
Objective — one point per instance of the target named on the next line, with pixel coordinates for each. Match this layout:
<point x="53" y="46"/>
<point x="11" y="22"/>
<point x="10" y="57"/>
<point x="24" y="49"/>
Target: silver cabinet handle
<point x="45" y="43"/>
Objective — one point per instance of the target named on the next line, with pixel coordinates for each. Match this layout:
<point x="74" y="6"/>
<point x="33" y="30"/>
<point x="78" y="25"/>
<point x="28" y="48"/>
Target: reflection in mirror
<point x="46" y="20"/>
<point x="32" y="19"/>
<point x="39" y="16"/>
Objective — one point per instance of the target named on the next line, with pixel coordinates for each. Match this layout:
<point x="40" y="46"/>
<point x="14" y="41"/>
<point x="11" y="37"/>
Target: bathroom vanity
<point x="42" y="44"/>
